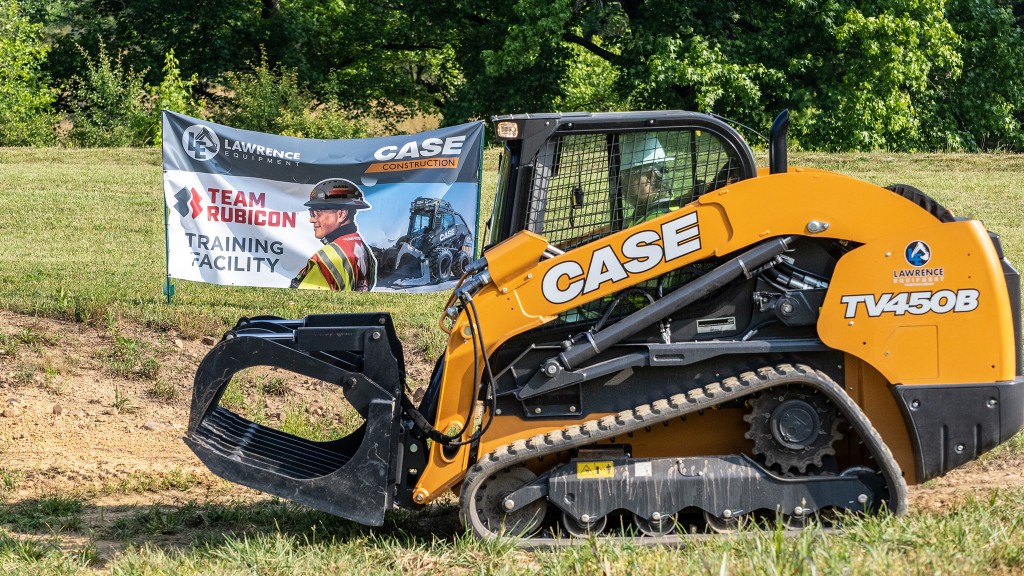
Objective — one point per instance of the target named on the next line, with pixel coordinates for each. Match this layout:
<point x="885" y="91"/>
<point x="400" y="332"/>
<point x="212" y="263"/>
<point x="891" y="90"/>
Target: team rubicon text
<point x="230" y="253"/>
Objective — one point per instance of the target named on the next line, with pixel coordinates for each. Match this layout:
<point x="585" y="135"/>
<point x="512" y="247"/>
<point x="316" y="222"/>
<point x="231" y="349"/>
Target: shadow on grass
<point x="65" y="534"/>
<point x="204" y="524"/>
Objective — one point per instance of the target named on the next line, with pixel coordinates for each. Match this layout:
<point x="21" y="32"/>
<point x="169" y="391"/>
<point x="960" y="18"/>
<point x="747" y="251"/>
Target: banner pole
<point x="480" y="189"/>
<point x="168" y="285"/>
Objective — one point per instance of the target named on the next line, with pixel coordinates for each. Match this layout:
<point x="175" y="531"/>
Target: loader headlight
<point x="507" y="130"/>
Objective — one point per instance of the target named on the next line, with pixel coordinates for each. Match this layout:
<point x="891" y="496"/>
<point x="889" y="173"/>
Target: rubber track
<point x="727" y="389"/>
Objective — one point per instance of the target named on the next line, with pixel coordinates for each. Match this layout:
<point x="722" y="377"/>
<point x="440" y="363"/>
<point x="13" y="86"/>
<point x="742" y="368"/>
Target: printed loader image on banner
<point x="397" y="213"/>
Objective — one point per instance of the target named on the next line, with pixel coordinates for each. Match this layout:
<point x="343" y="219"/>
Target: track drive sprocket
<point x="793" y="428"/>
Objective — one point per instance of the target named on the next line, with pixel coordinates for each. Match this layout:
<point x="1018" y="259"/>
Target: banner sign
<point x="251" y="209"/>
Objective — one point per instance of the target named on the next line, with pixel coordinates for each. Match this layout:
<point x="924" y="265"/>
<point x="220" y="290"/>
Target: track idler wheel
<point x="793" y="429"/>
<point x="491" y="515"/>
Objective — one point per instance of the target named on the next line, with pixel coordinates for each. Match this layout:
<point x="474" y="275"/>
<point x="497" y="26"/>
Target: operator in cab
<point x="643" y="166"/>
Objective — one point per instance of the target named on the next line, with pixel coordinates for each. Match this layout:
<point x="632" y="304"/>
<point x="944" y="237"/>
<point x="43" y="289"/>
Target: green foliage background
<point x="26" y="114"/>
<point x="903" y="75"/>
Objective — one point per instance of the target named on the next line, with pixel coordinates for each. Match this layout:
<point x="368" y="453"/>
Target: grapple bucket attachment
<point x="348" y="477"/>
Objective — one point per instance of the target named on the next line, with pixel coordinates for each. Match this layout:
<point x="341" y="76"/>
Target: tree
<point x="269" y="99"/>
<point x="864" y="74"/>
<point x="982" y="108"/>
<point x="853" y="72"/>
<point x="381" y="59"/>
<point x="26" y="101"/>
<point x="368" y="57"/>
<point x="111" y="104"/>
<point x="174" y="92"/>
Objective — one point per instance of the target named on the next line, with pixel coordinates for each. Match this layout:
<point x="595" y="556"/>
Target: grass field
<point x="83" y="241"/>
<point x="83" y="237"/>
<point x="983" y="536"/>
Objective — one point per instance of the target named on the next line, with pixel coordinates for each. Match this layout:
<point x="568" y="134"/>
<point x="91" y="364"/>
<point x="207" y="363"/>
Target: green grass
<point x="258" y="396"/>
<point x="25" y="374"/>
<point x="163" y="390"/>
<point x="9" y="345"/>
<point x="55" y="513"/>
<point x="9" y="480"/>
<point x="296" y="420"/>
<point x="124" y="356"/>
<point x="84" y="240"/>
<point x="19" y="555"/>
<point x="141" y="482"/>
<point x="1014" y="447"/>
<point x="123" y="402"/>
<point x="984" y="186"/>
<point x="984" y="536"/>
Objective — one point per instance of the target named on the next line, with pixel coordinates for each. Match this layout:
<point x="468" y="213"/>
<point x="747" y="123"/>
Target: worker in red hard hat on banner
<point x="345" y="262"/>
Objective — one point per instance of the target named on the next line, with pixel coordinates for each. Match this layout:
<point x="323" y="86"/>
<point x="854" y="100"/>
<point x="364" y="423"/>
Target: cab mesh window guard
<point x="586" y="186"/>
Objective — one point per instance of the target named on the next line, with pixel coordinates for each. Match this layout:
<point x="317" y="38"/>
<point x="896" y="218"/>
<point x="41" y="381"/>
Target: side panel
<point x="924" y="306"/>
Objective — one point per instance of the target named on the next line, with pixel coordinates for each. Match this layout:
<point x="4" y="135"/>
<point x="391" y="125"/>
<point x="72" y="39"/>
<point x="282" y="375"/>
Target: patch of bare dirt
<point x="105" y="408"/>
<point x="97" y="413"/>
<point x="69" y="421"/>
<point x="979" y="479"/>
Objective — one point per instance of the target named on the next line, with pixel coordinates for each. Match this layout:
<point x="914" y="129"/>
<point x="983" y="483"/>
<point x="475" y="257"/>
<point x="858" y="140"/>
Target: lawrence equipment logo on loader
<point x="642" y="271"/>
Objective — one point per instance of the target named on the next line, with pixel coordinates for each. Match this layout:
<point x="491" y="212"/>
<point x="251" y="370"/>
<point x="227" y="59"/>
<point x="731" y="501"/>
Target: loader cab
<point x="419" y="223"/>
<point x="573" y="177"/>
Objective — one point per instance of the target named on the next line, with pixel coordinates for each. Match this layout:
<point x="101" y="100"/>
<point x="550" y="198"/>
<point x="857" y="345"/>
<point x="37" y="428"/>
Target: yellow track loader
<point x="660" y="338"/>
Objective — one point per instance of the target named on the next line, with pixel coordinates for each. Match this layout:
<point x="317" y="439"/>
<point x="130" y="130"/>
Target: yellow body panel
<point x="934" y="328"/>
<point x="526" y="293"/>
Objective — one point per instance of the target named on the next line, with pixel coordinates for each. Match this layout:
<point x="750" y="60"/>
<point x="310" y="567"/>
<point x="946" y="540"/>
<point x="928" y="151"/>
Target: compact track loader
<point x="661" y="337"/>
<point x="437" y="246"/>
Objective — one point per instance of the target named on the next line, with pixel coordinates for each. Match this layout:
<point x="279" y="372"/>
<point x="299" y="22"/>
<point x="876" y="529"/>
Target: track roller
<point x="658" y="525"/>
<point x="583" y="528"/>
<point x="725" y="524"/>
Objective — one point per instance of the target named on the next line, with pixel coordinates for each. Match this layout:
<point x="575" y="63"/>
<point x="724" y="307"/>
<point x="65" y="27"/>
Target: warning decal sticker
<point x="603" y="469"/>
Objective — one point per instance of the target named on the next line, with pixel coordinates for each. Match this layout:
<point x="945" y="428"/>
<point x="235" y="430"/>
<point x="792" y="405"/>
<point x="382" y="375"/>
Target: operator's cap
<point x="641" y="149"/>
<point x="336" y="194"/>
